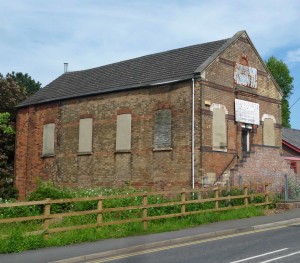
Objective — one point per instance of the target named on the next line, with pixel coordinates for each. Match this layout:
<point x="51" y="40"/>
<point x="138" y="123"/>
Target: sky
<point x="37" y="37"/>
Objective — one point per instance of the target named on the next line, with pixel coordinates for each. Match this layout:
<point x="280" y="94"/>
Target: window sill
<point x="122" y="151"/>
<point x="47" y="155"/>
<point x="219" y="149"/>
<point x="84" y="153"/>
<point x="167" y="149"/>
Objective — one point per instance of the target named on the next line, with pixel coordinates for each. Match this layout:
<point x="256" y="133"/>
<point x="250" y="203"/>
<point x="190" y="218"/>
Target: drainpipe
<point x="193" y="134"/>
<point x="201" y="131"/>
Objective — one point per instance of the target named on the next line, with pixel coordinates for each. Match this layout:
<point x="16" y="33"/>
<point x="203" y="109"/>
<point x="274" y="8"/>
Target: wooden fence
<point x="186" y="197"/>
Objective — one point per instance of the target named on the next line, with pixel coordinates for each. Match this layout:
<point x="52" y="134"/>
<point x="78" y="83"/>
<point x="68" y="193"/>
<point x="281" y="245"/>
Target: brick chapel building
<point x="197" y="115"/>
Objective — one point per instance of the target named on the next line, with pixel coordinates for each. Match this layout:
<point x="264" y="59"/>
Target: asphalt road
<point x="277" y="245"/>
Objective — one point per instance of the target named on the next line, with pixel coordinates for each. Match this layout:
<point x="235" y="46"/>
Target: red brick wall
<point x="29" y="165"/>
<point x="265" y="165"/>
<point x="142" y="167"/>
<point x="21" y="151"/>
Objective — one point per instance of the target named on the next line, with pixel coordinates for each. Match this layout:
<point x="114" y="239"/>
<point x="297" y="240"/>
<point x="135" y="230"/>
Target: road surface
<point x="281" y="244"/>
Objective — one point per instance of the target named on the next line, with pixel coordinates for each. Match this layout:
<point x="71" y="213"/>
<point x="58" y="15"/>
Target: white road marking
<point x="184" y="244"/>
<point x="273" y="259"/>
<point x="261" y="255"/>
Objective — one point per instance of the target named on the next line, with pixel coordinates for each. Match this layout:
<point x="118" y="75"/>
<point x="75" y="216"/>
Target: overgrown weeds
<point x="14" y="236"/>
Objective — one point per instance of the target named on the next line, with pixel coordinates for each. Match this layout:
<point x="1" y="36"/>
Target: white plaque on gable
<point x="246" y="76"/>
<point x="246" y="111"/>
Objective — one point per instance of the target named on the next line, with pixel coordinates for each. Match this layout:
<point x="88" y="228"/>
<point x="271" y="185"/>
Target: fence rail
<point x="186" y="198"/>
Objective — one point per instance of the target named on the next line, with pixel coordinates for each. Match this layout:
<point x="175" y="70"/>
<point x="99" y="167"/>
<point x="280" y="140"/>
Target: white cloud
<point x="293" y="56"/>
<point x="37" y="37"/>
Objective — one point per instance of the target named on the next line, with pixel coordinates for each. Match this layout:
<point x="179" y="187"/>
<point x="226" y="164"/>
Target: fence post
<point x="47" y="209"/>
<point x="251" y="198"/>
<point x="99" y="208"/>
<point x="286" y="189"/>
<point x="246" y="196"/>
<point x="266" y="196"/>
<point x="199" y="194"/>
<point x="183" y="202"/>
<point x="145" y="203"/>
<point x="216" y="197"/>
<point x="241" y="182"/>
<point x="228" y="189"/>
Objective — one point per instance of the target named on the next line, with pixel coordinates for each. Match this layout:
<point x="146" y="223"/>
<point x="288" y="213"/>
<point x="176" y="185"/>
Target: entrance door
<point x="245" y="141"/>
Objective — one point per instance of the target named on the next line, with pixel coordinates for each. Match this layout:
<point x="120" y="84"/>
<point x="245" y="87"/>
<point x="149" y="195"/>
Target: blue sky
<point x="37" y="36"/>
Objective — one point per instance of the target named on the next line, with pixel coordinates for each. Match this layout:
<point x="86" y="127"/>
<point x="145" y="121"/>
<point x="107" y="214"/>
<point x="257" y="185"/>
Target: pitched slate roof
<point x="291" y="136"/>
<point x="173" y="65"/>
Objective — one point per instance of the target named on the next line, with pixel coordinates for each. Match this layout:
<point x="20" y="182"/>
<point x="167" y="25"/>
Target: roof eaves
<point x="290" y="145"/>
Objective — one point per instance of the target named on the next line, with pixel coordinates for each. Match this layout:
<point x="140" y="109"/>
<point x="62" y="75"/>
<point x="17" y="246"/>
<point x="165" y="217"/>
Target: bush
<point x="8" y="191"/>
<point x="48" y="190"/>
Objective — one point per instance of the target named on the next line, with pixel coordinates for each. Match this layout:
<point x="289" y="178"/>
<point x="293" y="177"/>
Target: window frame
<point x="123" y="133"/>
<point x="85" y="136"/>
<point x="157" y="144"/>
<point x="224" y="146"/>
<point x="48" y="147"/>
<point x="271" y="118"/>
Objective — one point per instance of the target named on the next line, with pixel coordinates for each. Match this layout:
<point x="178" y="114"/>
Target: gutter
<point x="293" y="147"/>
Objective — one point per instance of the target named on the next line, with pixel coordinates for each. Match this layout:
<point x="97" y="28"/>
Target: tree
<point x="6" y="163"/>
<point x="11" y="94"/>
<point x="4" y="124"/>
<point x="284" y="80"/>
<point x="25" y="81"/>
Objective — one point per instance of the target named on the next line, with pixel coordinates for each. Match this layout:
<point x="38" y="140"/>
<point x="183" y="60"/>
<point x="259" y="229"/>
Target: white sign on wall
<point x="246" y="76"/>
<point x="246" y="111"/>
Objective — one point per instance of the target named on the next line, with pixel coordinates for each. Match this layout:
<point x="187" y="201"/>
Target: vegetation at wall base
<point x="14" y="236"/>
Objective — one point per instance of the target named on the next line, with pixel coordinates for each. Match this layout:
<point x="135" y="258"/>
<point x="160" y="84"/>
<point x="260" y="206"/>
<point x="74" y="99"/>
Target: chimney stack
<point x="66" y="67"/>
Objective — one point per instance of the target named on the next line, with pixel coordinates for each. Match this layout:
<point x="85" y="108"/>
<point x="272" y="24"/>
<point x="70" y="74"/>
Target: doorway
<point x="245" y="141"/>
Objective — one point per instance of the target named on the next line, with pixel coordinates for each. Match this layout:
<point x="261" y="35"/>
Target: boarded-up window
<point x="163" y="129"/>
<point x="123" y="138"/>
<point x="219" y="132"/>
<point x="269" y="132"/>
<point x="85" y="135"/>
<point x="48" y="139"/>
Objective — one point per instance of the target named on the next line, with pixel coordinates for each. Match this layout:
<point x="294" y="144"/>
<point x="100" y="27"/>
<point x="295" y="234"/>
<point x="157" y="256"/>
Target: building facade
<point x="291" y="148"/>
<point x="181" y="118"/>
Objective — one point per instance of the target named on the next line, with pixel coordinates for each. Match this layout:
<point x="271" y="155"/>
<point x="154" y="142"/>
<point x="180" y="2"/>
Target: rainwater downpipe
<point x="201" y="137"/>
<point x="193" y="134"/>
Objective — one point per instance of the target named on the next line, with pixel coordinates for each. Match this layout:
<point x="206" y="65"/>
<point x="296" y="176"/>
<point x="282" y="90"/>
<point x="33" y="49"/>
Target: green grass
<point x="14" y="239"/>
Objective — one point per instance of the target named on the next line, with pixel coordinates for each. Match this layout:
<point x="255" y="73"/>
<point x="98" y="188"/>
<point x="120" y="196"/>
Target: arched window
<point x="268" y="130"/>
<point x="85" y="135"/>
<point x="163" y="129"/>
<point x="219" y="127"/>
<point x="48" y="139"/>
<point x="123" y="138"/>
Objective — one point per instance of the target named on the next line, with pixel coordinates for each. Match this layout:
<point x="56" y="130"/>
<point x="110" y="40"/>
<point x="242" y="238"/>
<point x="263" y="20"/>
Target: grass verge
<point x="16" y="241"/>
